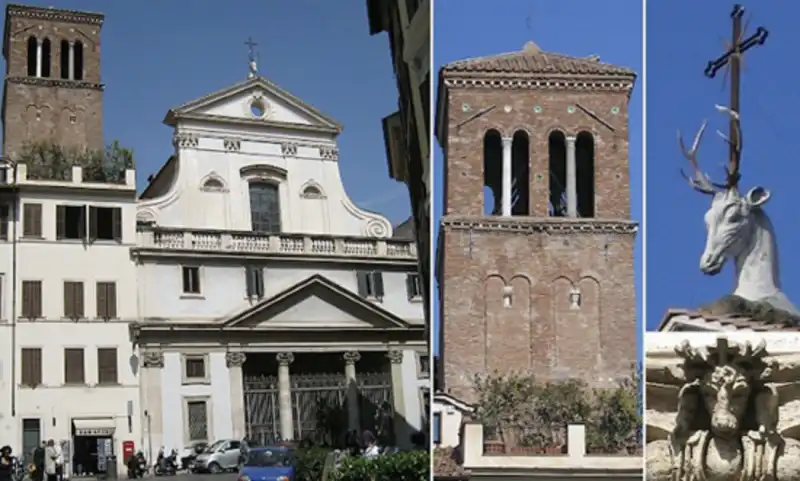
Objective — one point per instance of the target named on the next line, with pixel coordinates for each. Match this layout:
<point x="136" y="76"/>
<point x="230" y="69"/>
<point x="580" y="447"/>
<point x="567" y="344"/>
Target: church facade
<point x="242" y="294"/>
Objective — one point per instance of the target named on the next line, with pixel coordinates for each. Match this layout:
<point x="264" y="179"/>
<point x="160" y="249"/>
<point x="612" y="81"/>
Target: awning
<point x="94" y="427"/>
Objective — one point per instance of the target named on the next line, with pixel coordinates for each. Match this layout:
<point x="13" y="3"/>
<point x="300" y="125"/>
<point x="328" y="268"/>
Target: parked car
<point x="223" y="455"/>
<point x="272" y="462"/>
<point x="189" y="453"/>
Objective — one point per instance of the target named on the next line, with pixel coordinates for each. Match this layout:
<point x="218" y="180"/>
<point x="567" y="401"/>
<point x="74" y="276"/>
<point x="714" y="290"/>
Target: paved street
<point x="197" y="477"/>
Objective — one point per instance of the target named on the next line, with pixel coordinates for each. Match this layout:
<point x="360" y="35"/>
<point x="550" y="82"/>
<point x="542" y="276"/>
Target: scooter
<point x="167" y="465"/>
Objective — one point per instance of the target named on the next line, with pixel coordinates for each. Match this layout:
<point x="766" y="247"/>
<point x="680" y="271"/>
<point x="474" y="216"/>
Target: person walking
<point x="6" y="464"/>
<point x="38" y="463"/>
<point x="51" y="461"/>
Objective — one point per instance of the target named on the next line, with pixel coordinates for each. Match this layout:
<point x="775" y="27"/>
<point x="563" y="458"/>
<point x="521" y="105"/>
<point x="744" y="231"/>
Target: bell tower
<point x="536" y="263"/>
<point x="52" y="89"/>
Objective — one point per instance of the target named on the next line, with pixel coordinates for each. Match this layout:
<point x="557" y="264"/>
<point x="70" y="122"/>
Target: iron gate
<point x="376" y="409"/>
<point x="319" y="404"/>
<point x="262" y="412"/>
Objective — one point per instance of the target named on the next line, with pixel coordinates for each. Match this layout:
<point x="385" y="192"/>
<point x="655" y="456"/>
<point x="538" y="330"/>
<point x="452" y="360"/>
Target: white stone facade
<point x="201" y="303"/>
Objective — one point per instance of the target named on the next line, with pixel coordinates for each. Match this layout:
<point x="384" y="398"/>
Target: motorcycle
<point x="167" y="465"/>
<point x="137" y="466"/>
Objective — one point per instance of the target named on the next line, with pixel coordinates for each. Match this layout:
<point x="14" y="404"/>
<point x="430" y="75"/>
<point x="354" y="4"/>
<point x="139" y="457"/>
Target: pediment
<point x="255" y="101"/>
<point x="316" y="303"/>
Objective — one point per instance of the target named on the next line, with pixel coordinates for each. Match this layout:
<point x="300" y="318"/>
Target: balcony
<point x="74" y="178"/>
<point x="161" y="240"/>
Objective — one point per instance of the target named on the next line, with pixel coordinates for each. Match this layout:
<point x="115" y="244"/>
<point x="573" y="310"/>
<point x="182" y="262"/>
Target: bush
<point x="310" y="463"/>
<point x="403" y="466"/>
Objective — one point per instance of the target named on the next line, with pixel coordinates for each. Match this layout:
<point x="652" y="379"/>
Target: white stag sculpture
<point x="737" y="226"/>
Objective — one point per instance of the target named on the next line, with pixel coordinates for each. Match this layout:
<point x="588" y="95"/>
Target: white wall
<point x="173" y="394"/>
<point x="224" y="290"/>
<point x="450" y="418"/>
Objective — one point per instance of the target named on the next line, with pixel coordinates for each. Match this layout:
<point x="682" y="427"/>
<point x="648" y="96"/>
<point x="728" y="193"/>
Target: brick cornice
<point x="54" y="15"/>
<point x="52" y="82"/>
<point x="527" y="225"/>
<point x="593" y="84"/>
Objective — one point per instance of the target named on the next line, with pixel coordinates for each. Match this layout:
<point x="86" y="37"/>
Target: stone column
<point x="71" y="60"/>
<point x="235" y="361"/>
<point x="153" y="420"/>
<point x="38" y="57"/>
<point x="572" y="189"/>
<point x="353" y="404"/>
<point x="285" y="395"/>
<point x="507" y="178"/>
<point x="402" y="430"/>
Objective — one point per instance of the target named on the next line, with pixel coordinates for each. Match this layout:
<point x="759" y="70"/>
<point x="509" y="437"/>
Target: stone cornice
<point x="51" y="82"/>
<point x="55" y="15"/>
<point x="221" y="119"/>
<point x="527" y="225"/>
<point x="594" y="84"/>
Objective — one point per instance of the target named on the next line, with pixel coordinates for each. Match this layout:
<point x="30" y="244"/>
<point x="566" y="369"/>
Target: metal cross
<point x="732" y="59"/>
<point x="252" y="45"/>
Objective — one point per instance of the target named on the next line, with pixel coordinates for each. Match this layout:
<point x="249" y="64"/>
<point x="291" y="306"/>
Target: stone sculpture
<point x="723" y="412"/>
<point x="738" y="227"/>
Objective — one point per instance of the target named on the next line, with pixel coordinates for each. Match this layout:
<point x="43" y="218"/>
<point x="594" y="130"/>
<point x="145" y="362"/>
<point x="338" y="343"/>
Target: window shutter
<point x="4" y="218"/>
<point x="37" y="219"/>
<point x="26" y="219"/>
<point x="107" y="365"/>
<point x="111" y="300"/>
<point x="116" y="218"/>
<point x="377" y="282"/>
<point x="77" y="299"/>
<point x="61" y="221"/>
<point x="36" y="367"/>
<point x="363" y="289"/>
<point x="26" y="300"/>
<point x="410" y="286"/>
<point x="187" y="279"/>
<point x="32" y="220"/>
<point x="25" y="358"/>
<point x="74" y="366"/>
<point x="260" y="282"/>
<point x="69" y="300"/>
<point x="37" y="300"/>
<point x="82" y="223"/>
<point x="250" y="275"/>
<point x="102" y="301"/>
<point x="92" y="224"/>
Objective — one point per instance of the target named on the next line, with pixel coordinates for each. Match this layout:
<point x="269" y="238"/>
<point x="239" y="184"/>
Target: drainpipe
<point x="13" y="319"/>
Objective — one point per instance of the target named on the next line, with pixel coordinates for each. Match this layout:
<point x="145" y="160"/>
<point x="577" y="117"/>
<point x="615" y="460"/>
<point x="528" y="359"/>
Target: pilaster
<point x="285" y="395"/>
<point x="353" y="405"/>
<point x="152" y="405"/>
<point x="234" y="361"/>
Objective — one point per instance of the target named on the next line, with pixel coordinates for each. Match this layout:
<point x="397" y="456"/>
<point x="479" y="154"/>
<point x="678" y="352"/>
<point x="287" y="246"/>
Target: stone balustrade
<point x="169" y="239"/>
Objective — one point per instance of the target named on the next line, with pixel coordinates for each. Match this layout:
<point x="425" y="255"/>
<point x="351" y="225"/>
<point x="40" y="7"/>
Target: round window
<point x="258" y="108"/>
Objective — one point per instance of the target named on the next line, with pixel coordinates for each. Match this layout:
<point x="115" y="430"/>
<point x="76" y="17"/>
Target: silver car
<point x="222" y="455"/>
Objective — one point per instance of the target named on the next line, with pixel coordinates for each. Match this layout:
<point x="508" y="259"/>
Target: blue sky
<point x="163" y="54"/>
<point x="682" y="36"/>
<point x="467" y="28"/>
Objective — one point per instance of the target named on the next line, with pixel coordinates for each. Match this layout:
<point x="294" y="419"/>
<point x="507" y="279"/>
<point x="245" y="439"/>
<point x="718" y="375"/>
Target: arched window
<point x="32" y="47"/>
<point x="46" y="58"/>
<point x="213" y="184"/>
<point x="584" y="174"/>
<point x="492" y="173"/>
<point x="78" y="59"/>
<point x="265" y="207"/>
<point x="520" y="174"/>
<point x="557" y="165"/>
<point x="64" y="60"/>
<point x="312" y="192"/>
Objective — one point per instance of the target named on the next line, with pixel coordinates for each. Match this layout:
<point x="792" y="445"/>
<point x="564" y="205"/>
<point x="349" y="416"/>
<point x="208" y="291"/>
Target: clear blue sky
<point x="158" y="55"/>
<point x="682" y="36"/>
<point x="612" y="30"/>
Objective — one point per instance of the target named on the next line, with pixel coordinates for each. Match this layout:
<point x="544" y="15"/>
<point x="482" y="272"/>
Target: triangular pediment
<point x="316" y="303"/>
<point x="257" y="100"/>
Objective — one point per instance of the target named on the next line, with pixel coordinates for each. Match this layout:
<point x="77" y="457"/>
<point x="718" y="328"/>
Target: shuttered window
<point x="32" y="299"/>
<point x="413" y="286"/>
<point x="197" y="414"/>
<point x="370" y="284"/>
<point x="106" y="300"/>
<point x="32" y="220"/>
<point x="255" y="281"/>
<point x="74" y="366"/>
<point x="105" y="223"/>
<point x="31" y="366"/>
<point x="73" y="300"/>
<point x="107" y="365"/>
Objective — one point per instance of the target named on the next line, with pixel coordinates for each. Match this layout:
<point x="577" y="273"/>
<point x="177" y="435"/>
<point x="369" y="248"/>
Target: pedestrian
<point x="370" y="442"/>
<point x="59" y="462"/>
<point x="6" y="464"/>
<point x="51" y="461"/>
<point x="351" y="443"/>
<point x="38" y="463"/>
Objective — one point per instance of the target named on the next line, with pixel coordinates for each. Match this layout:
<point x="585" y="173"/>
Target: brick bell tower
<point x="52" y="89"/>
<point x="536" y="242"/>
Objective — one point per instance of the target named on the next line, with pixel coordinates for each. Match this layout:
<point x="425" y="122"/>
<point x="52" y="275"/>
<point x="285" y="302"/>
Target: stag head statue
<point x="737" y="226"/>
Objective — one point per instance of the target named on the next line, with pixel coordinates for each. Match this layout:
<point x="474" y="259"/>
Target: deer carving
<point x="737" y="226"/>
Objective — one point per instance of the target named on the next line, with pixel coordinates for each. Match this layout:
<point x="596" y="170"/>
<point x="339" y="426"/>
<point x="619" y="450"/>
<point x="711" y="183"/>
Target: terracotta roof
<point x="727" y="322"/>
<point x="532" y="60"/>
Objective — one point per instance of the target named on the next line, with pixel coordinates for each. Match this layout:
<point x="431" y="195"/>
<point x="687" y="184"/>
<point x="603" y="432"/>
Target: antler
<point x="732" y="170"/>
<point x="700" y="181"/>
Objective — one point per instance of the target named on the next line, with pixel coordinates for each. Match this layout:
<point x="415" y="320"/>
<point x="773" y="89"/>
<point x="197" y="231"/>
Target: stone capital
<point x="570" y="139"/>
<point x="507" y="141"/>
<point x="235" y="359"/>
<point x="284" y="358"/>
<point x="395" y="356"/>
<point x="351" y="357"/>
<point x="153" y="359"/>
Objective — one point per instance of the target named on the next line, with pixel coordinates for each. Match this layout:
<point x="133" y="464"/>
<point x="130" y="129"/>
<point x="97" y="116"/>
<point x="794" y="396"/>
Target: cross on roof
<point x="253" y="65"/>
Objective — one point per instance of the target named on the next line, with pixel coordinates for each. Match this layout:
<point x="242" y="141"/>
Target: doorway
<point x="31" y="436"/>
<point x="92" y="444"/>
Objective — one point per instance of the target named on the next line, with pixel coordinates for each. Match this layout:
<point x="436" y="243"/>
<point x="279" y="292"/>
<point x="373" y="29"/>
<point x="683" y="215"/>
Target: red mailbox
<point x="127" y="449"/>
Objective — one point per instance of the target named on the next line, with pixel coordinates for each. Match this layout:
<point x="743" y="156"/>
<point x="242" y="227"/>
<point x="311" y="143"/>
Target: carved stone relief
<point x="153" y="359"/>
<point x="722" y="411"/>
<point x="235" y="359"/>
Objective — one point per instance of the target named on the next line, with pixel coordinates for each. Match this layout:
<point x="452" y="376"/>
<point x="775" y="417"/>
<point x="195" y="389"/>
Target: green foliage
<point x="523" y="412"/>
<point x="402" y="466"/>
<point x="310" y="463"/>
<point x="47" y="160"/>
